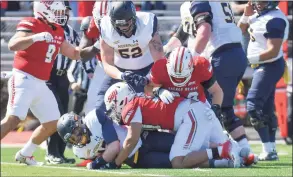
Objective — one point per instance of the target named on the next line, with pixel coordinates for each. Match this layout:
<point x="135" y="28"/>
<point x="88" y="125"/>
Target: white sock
<point x="266" y="147"/>
<point x="273" y="146"/>
<point x="28" y="149"/>
<point x="243" y="143"/>
<point x="220" y="148"/>
<point x="210" y="154"/>
<point x="221" y="163"/>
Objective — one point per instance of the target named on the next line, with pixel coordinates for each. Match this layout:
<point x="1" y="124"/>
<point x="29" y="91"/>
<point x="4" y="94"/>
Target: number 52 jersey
<point x="131" y="53"/>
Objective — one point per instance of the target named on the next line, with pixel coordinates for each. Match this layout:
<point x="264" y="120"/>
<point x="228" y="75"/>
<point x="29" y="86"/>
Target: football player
<point x="212" y="32"/>
<point x="36" y="43"/>
<point x="268" y="28"/>
<point x="95" y="137"/>
<point x="185" y="76"/>
<point x="194" y="123"/>
<point x="91" y="34"/>
<point x="129" y="43"/>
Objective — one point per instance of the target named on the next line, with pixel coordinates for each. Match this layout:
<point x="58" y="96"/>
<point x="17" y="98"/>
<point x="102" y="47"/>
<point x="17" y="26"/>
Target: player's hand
<point x="248" y="10"/>
<point x="111" y="165"/>
<point x="165" y="95"/>
<point x="75" y="86"/>
<point x="218" y="112"/>
<point x="44" y="36"/>
<point x="127" y="76"/>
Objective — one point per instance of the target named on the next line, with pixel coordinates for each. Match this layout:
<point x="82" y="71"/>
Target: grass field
<point x="283" y="167"/>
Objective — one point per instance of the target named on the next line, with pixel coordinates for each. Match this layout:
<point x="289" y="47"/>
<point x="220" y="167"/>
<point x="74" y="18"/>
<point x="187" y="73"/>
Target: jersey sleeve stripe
<point x="155" y="25"/>
<point x="26" y="23"/>
<point x="176" y="61"/>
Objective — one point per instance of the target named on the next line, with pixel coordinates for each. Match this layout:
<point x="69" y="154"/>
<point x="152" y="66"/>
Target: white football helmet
<point x="101" y="9"/>
<point x="180" y="66"/>
<point x="53" y="11"/>
<point x="116" y="97"/>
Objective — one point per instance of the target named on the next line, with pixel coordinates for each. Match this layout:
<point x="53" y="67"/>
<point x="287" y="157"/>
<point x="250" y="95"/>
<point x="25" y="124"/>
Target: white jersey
<point x="131" y="53"/>
<point x="259" y="27"/>
<point x="91" y="150"/>
<point x="224" y="29"/>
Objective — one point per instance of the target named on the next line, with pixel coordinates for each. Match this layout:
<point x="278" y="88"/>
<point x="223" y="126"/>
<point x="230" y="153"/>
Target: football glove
<point x="96" y="164"/>
<point x="111" y="165"/>
<point x="165" y="95"/>
<point x="218" y="112"/>
<point x="44" y="36"/>
<point x="127" y="76"/>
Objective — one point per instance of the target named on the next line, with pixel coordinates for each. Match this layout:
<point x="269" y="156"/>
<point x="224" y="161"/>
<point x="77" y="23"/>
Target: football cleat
<point x="251" y="159"/>
<point x="27" y="160"/>
<point x="231" y="151"/>
<point x="271" y="156"/>
<point x="83" y="163"/>
<point x="53" y="159"/>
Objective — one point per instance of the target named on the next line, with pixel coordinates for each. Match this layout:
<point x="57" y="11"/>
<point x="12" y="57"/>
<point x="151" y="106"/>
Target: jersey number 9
<point x="50" y="53"/>
<point x="133" y="53"/>
<point x="228" y="12"/>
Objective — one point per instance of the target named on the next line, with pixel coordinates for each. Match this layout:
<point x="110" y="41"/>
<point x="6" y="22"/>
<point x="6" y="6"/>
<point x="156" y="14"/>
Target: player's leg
<point x="263" y="84"/>
<point x="21" y="93"/>
<point x="229" y="66"/>
<point x="96" y="83"/>
<point x="157" y="141"/>
<point x="45" y="108"/>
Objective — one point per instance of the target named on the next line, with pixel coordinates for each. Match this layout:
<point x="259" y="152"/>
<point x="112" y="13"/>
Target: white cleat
<point x="27" y="160"/>
<point x="231" y="150"/>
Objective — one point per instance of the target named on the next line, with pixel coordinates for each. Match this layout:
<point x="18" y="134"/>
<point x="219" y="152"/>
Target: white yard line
<point x="82" y="169"/>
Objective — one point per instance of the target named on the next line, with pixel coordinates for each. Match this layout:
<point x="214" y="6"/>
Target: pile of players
<point x="150" y="111"/>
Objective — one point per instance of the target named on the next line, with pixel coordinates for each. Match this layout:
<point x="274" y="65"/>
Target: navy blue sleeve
<point x="200" y="7"/>
<point x="108" y="130"/>
<point x="275" y="28"/>
<point x="155" y="26"/>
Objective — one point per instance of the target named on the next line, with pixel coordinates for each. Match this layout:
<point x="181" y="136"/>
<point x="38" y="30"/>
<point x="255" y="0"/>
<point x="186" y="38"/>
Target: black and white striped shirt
<point x="71" y="36"/>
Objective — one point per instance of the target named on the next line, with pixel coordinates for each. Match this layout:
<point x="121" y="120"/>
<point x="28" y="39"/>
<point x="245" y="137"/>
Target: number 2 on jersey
<point x="228" y="12"/>
<point x="133" y="53"/>
<point x="50" y="53"/>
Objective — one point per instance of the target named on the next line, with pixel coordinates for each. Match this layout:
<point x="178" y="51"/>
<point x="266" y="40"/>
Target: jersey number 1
<point x="228" y="12"/>
<point x="50" y="53"/>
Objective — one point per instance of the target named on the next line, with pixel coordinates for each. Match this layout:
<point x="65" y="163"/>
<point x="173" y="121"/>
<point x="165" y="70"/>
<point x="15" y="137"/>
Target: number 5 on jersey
<point x="50" y="53"/>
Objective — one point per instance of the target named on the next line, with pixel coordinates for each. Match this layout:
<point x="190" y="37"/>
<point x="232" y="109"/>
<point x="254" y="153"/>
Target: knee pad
<point x="231" y="122"/>
<point x="257" y="119"/>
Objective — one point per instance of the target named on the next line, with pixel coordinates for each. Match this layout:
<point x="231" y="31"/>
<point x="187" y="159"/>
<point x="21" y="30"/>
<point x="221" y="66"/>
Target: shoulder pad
<point x="85" y="23"/>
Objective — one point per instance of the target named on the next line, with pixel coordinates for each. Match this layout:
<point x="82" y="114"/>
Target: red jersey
<point x="193" y="88"/>
<point x="38" y="59"/>
<point x="154" y="112"/>
<point x="93" y="33"/>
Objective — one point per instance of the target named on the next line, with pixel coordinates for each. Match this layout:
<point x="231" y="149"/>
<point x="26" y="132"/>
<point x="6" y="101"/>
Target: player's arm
<point x="156" y="47"/>
<point x="243" y="23"/>
<point x="133" y="134"/>
<point x="275" y="33"/>
<point x="70" y="51"/>
<point x="202" y="16"/>
<point x="107" y="56"/>
<point x="176" y="40"/>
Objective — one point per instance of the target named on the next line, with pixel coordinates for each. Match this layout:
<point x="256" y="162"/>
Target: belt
<point x="60" y="72"/>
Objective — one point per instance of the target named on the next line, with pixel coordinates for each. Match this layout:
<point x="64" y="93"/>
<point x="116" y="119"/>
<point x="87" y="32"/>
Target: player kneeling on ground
<point x="96" y="138"/>
<point x="192" y="121"/>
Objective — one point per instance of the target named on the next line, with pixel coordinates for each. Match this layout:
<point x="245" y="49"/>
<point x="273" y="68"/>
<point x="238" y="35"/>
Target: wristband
<point x="97" y="45"/>
<point x="194" y="53"/>
<point x="37" y="38"/>
<point x="244" y="19"/>
<point x="119" y="76"/>
<point x="253" y="59"/>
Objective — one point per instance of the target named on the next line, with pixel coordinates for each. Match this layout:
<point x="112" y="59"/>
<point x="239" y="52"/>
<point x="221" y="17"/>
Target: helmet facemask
<point x="124" y="27"/>
<point x="79" y="136"/>
<point x="263" y="7"/>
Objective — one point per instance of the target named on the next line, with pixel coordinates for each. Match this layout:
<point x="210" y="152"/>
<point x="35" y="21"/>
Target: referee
<point x="59" y="85"/>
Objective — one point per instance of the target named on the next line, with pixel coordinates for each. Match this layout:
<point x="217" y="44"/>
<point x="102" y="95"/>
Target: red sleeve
<point x="27" y="24"/>
<point x="128" y="111"/>
<point x="156" y="71"/>
<point x="92" y="32"/>
<point x="205" y="68"/>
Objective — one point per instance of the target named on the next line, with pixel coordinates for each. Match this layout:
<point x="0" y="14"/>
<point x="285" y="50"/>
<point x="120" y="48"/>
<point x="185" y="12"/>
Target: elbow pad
<point x="204" y="18"/>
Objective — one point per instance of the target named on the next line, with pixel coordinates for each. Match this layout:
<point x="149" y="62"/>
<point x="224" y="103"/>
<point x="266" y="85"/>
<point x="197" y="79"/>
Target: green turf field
<point x="283" y="167"/>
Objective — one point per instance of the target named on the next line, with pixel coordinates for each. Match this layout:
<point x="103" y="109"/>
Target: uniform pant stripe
<point x="192" y="130"/>
<point x="12" y="91"/>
